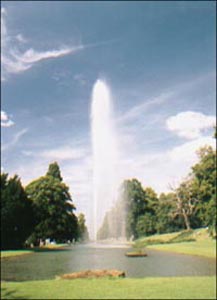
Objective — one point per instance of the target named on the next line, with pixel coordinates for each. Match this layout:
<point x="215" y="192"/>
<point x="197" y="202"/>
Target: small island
<point x="139" y="253"/>
<point x="92" y="274"/>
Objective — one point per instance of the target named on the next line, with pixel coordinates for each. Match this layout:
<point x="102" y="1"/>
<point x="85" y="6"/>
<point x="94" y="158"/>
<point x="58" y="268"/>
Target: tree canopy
<point x="54" y="171"/>
<point x="17" y="219"/>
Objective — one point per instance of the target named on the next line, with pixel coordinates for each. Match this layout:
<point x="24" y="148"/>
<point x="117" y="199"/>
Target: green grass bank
<point x="194" y="242"/>
<point x="125" y="288"/>
<point x="201" y="248"/>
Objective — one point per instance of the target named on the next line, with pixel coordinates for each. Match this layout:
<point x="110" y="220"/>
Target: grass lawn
<point x="202" y="247"/>
<point x="11" y="253"/>
<point x="105" y="288"/>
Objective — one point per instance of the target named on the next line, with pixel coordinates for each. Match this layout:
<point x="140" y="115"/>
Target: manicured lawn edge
<point x="12" y="253"/>
<point x="127" y="288"/>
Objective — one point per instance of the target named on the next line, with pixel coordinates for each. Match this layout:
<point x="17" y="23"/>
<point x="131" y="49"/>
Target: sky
<point x="159" y="62"/>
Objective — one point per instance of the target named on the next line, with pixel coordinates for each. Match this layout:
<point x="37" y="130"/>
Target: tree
<point x="146" y="222"/>
<point x="204" y="174"/>
<point x="17" y="219"/>
<point x="166" y="222"/>
<point x="211" y="216"/>
<point x="215" y="132"/>
<point x="53" y="208"/>
<point x="146" y="225"/>
<point x="82" y="228"/>
<point x="134" y="197"/>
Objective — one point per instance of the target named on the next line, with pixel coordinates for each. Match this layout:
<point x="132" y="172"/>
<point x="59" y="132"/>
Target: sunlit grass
<point x="194" y="242"/>
<point x="161" y="237"/>
<point x="128" y="288"/>
<point x="11" y="253"/>
<point x="202" y="247"/>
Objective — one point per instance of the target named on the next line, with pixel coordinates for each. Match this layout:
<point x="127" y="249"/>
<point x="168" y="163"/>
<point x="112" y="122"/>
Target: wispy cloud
<point x="5" y="120"/>
<point x="31" y="56"/>
<point x="14" y="60"/>
<point x="140" y="109"/>
<point x="15" y="139"/>
<point x="190" y="124"/>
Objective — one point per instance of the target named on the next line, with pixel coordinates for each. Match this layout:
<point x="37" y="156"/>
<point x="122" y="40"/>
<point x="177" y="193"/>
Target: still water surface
<point x="46" y="265"/>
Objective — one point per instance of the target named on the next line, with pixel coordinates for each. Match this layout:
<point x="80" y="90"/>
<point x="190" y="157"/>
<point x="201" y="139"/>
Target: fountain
<point x="105" y="153"/>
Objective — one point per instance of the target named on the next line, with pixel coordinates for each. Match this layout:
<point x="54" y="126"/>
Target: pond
<point x="48" y="264"/>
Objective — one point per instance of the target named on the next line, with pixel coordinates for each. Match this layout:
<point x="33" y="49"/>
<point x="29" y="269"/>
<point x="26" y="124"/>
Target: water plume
<point x="105" y="153"/>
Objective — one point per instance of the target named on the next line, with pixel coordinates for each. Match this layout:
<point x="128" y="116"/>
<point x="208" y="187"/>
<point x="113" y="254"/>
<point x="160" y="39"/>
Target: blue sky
<point x="158" y="58"/>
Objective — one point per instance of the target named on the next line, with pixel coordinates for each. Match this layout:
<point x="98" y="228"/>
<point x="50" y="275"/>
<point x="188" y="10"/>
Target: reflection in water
<point x="46" y="265"/>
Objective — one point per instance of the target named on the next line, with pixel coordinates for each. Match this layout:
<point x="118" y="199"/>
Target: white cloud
<point x="5" y="120"/>
<point x="64" y="153"/>
<point x="190" y="124"/>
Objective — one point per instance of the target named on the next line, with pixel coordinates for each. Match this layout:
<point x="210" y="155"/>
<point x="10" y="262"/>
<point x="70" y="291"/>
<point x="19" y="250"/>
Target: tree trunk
<point x="187" y="222"/>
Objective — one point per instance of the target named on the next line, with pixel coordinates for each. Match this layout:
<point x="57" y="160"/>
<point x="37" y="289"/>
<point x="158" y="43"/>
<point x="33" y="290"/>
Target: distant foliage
<point x="83" y="234"/>
<point x="17" y="219"/>
<point x="190" y="205"/>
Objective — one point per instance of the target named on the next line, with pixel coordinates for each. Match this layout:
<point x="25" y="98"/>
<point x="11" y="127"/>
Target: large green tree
<point x="134" y="213"/>
<point x="53" y="207"/>
<point x="134" y="196"/>
<point x="17" y="219"/>
<point x="195" y="198"/>
<point x="146" y="222"/>
<point x="165" y="219"/>
<point x="204" y="180"/>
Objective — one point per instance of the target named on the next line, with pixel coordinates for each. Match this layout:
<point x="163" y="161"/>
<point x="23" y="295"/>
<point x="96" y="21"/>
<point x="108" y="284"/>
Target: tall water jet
<point x="104" y="146"/>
